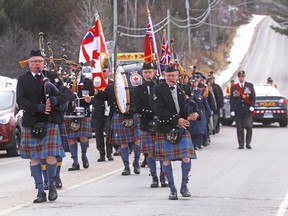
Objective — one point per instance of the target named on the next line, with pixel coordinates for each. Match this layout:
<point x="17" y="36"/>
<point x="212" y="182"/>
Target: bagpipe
<point x="176" y="61"/>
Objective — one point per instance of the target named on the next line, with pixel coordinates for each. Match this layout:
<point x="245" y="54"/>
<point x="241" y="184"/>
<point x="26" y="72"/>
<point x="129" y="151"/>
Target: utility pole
<point x="168" y="26"/>
<point x="115" y="35"/>
<point x="210" y="25"/>
<point x="188" y="22"/>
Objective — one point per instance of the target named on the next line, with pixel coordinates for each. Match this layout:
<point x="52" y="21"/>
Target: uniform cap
<point x="35" y="53"/>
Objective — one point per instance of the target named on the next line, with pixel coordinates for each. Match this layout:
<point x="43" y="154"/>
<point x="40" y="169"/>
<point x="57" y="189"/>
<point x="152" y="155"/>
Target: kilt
<point x="34" y="148"/>
<point x="84" y="131"/>
<point x="118" y="134"/>
<point x="147" y="142"/>
<point x="164" y="150"/>
<point x="64" y="137"/>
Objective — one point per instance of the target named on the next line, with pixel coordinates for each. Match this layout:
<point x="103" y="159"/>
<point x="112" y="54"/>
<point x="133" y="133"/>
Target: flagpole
<point x="154" y="43"/>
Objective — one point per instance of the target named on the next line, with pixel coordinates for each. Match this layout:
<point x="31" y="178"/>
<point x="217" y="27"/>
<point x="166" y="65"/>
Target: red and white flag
<point x="93" y="48"/>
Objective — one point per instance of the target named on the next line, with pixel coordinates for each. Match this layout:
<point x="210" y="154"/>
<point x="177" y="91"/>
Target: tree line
<point x="64" y="23"/>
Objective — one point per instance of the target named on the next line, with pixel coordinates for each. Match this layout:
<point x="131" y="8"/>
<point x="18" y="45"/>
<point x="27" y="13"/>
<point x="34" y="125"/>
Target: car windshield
<point x="266" y="90"/>
<point x="6" y="99"/>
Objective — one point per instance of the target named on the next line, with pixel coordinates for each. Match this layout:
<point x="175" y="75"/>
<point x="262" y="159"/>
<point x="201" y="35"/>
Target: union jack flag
<point x="165" y="52"/>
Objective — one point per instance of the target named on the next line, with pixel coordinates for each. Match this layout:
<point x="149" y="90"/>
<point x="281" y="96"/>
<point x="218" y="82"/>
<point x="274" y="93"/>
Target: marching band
<point x="137" y="111"/>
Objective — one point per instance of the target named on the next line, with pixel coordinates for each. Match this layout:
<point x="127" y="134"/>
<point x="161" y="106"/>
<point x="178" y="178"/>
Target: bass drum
<point x="126" y="79"/>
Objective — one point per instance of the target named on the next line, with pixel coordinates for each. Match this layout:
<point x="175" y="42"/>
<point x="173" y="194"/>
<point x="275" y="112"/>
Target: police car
<point x="270" y="107"/>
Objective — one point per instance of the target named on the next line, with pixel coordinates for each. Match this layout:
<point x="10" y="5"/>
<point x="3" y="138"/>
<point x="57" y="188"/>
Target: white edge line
<point x="65" y="190"/>
<point x="282" y="209"/>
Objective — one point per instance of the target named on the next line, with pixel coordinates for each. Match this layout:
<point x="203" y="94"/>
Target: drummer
<point x="80" y="128"/>
<point x="120" y="131"/>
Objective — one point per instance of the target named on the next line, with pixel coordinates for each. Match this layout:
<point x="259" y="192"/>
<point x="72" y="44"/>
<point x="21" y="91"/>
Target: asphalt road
<point x="224" y="181"/>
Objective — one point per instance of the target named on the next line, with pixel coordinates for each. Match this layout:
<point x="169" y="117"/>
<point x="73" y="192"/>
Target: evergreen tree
<point x="279" y="14"/>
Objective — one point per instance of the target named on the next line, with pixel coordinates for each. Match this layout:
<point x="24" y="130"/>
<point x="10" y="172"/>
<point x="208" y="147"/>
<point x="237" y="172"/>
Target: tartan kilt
<point x="84" y="131"/>
<point x="147" y="142"/>
<point x="64" y="137"/>
<point x="164" y="150"/>
<point x="34" y="148"/>
<point x="118" y="134"/>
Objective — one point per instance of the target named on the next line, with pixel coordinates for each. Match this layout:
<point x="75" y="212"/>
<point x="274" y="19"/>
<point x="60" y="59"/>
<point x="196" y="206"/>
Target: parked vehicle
<point x="270" y="107"/>
<point x="10" y="122"/>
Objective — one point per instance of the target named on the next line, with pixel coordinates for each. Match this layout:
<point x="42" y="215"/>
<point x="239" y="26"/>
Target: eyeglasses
<point x="37" y="61"/>
<point x="241" y="76"/>
<point x="104" y="71"/>
<point x="171" y="75"/>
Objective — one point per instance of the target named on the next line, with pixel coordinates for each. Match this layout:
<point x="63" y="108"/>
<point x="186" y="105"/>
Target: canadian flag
<point x="93" y="48"/>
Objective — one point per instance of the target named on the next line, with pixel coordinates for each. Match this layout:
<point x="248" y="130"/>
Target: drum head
<point x="126" y="79"/>
<point x="121" y="90"/>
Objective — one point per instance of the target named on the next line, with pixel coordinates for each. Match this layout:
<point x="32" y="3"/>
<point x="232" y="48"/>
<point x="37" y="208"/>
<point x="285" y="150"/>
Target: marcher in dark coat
<point x="40" y="124"/>
<point x="101" y="121"/>
<point x="119" y="134"/>
<point x="83" y="88"/>
<point x="219" y="101"/>
<point x="198" y="129"/>
<point x="173" y="141"/>
<point x="242" y="102"/>
<point x="144" y="95"/>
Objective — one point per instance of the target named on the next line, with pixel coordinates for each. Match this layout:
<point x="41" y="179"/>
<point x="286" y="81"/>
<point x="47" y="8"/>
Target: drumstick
<point x="81" y="98"/>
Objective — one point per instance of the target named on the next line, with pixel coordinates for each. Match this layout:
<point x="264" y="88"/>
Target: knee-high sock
<point x="125" y="156"/>
<point x="51" y="170"/>
<point x="131" y="146"/>
<point x="152" y="165"/>
<point x="169" y="174"/>
<point x="59" y="164"/>
<point x="161" y="168"/>
<point x="185" y="172"/>
<point x="36" y="171"/>
<point x="74" y="152"/>
<point x="84" y="146"/>
<point x="136" y="153"/>
<point x="44" y="171"/>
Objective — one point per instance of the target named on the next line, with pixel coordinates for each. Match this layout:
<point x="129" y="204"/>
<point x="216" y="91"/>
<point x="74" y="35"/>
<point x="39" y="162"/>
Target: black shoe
<point x="155" y="182"/>
<point x="136" y="168"/>
<point x="58" y="183"/>
<point x="248" y="147"/>
<point x="52" y="196"/>
<point x="110" y="158"/>
<point x="74" y="167"/>
<point x="163" y="181"/>
<point x="126" y="171"/>
<point x="116" y="153"/>
<point x="240" y="147"/>
<point x="101" y="159"/>
<point x="41" y="197"/>
<point x="185" y="192"/>
<point x="45" y="185"/>
<point x="173" y="195"/>
<point x="85" y="161"/>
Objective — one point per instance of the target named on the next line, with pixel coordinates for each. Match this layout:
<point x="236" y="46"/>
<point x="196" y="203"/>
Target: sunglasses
<point x="241" y="76"/>
<point x="104" y="71"/>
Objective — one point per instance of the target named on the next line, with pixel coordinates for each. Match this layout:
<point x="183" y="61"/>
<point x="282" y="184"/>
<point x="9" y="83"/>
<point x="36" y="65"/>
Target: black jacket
<point x="238" y="104"/>
<point x="30" y="94"/>
<point x="99" y="106"/>
<point x="165" y="108"/>
<point x="143" y="108"/>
